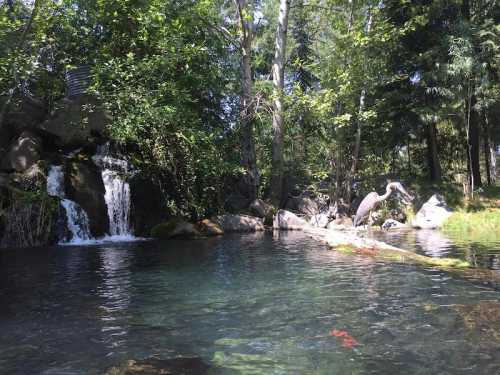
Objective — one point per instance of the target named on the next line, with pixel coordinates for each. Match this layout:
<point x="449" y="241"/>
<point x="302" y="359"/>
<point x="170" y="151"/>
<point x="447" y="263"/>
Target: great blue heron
<point x="372" y="200"/>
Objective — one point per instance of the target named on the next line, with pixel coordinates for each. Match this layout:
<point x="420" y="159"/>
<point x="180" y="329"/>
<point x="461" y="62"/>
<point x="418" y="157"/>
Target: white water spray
<point x="117" y="192"/>
<point x="78" y="221"/>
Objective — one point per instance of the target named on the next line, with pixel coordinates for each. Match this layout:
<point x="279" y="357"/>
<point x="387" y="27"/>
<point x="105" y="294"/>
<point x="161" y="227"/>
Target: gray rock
<point x="239" y="223"/>
<point x="260" y="208"/>
<point x="23" y="152"/>
<point x="319" y="220"/>
<point x="285" y="220"/>
<point x="341" y="223"/>
<point x="75" y="122"/>
<point x="303" y="205"/>
<point x="433" y="213"/>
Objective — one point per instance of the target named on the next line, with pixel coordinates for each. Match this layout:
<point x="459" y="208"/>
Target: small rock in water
<point x="392" y="224"/>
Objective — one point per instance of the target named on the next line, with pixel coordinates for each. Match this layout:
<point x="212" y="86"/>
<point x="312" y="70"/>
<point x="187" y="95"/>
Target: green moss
<point x="402" y="256"/>
<point x="164" y="230"/>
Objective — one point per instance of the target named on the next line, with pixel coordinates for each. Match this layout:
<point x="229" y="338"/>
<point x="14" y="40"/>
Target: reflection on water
<point x="255" y="304"/>
<point x="436" y="244"/>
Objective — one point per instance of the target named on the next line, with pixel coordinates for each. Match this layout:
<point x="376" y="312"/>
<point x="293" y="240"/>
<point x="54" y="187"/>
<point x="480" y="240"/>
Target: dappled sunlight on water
<point x="261" y="303"/>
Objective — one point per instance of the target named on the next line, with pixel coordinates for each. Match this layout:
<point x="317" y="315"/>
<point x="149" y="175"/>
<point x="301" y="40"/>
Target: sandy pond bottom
<point x="252" y="304"/>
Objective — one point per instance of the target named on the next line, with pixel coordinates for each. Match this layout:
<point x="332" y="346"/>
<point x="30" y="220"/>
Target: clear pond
<point x="251" y="304"/>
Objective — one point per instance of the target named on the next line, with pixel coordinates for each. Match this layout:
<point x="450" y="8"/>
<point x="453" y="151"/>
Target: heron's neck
<point x="386" y="195"/>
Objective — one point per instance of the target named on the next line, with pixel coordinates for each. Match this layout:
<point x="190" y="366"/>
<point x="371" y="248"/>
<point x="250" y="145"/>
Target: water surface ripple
<point x="252" y="304"/>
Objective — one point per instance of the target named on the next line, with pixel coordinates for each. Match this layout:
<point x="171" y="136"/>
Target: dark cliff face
<point x="84" y="186"/>
<point x="147" y="206"/>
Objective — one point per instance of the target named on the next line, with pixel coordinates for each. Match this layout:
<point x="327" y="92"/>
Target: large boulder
<point x="260" y="208"/>
<point x="303" y="205"/>
<point x="84" y="186"/>
<point x="239" y="223"/>
<point x="175" y="228"/>
<point x="76" y="122"/>
<point x="433" y="213"/>
<point x="285" y="220"/>
<point x="23" y="152"/>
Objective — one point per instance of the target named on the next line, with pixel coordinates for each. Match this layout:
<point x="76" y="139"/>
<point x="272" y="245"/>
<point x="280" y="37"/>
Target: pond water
<point x="251" y="304"/>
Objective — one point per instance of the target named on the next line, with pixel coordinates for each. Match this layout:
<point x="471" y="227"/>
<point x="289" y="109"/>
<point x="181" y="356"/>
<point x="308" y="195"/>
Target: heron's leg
<point x="370" y="220"/>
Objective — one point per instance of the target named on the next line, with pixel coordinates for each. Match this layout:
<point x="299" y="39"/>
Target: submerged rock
<point x="482" y="318"/>
<point x="154" y="366"/>
<point x="285" y="220"/>
<point x="239" y="223"/>
<point x="175" y="228"/>
<point x="433" y="213"/>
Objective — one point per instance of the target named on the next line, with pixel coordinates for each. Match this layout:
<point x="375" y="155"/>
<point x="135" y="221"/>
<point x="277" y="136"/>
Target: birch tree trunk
<point x="249" y="163"/>
<point x="278" y="85"/>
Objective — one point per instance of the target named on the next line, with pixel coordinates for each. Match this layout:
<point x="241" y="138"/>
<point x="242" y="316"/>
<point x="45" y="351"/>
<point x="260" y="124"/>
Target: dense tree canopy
<point x="388" y="88"/>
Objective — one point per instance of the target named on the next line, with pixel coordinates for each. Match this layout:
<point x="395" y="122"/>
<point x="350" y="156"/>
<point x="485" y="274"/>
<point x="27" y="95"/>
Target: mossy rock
<point x="175" y="227"/>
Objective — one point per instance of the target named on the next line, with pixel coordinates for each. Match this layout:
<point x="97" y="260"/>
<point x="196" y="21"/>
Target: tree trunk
<point x="249" y="163"/>
<point x="434" y="164"/>
<point x="278" y="84"/>
<point x="474" y="144"/>
<point x="487" y="150"/>
<point x="359" y="122"/>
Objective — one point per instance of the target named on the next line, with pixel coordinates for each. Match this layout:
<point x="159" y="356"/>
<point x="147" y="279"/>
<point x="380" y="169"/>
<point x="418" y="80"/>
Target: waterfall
<point x="117" y="191"/>
<point x="77" y="219"/>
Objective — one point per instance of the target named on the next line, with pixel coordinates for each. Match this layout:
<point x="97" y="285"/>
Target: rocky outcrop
<point x="285" y="220"/>
<point x="84" y="186"/>
<point x="433" y="213"/>
<point x="175" y="228"/>
<point x="76" y="122"/>
<point x="239" y="223"/>
<point x="147" y="205"/>
<point x="23" y="152"/>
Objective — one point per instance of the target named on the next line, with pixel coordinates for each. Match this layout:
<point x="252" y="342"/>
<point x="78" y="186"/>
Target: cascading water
<point x="117" y="191"/>
<point x="77" y="219"/>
